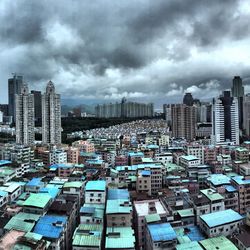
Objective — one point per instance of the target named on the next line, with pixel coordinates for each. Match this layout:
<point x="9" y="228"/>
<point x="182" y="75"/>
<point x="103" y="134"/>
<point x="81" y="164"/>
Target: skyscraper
<point x="188" y="99"/>
<point x="25" y="117"/>
<point x="225" y="119"/>
<point x="246" y="114"/>
<point x="51" y="116"/>
<point x="38" y="105"/>
<point x="14" y="87"/>
<point x="183" y="121"/>
<point x="238" y="91"/>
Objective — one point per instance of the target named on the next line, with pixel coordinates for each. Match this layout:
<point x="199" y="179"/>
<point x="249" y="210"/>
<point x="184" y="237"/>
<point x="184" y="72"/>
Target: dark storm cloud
<point x="142" y="49"/>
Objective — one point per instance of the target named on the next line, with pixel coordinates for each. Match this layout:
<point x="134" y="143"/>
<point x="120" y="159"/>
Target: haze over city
<point x="101" y="51"/>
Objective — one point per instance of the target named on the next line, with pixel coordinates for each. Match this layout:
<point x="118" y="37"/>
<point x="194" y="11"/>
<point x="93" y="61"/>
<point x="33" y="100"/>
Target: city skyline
<point x="149" y="52"/>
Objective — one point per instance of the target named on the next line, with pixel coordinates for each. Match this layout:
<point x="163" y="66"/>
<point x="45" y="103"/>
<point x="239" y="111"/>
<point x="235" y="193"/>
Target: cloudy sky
<point x="99" y="51"/>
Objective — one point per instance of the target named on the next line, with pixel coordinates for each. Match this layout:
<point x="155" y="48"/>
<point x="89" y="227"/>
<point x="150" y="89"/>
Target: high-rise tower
<point x="25" y="124"/>
<point x="183" y="121"/>
<point x="14" y="87"/>
<point x="51" y="116"/>
<point x="225" y="119"/>
<point x="38" y="104"/>
<point x="238" y="91"/>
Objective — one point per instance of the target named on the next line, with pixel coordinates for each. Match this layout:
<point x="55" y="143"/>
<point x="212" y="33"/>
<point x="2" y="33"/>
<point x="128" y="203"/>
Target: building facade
<point x="25" y="117"/>
<point x="51" y="116"/>
<point x="225" y="119"/>
<point x="14" y="87"/>
<point x="183" y="121"/>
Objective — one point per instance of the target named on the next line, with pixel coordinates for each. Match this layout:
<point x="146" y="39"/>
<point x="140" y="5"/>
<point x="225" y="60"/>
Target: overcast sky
<point x="99" y="51"/>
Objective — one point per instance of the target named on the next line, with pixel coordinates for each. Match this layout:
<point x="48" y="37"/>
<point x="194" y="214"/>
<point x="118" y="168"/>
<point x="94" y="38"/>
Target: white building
<point x="25" y="122"/>
<point x="225" y="119"/>
<point x="51" y="116"/>
<point x="95" y="192"/>
<point x="57" y="156"/>
<point x="1" y="117"/>
<point x="220" y="223"/>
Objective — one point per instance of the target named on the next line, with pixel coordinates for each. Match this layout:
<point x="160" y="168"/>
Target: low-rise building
<point x="220" y="223"/>
<point x="95" y="192"/>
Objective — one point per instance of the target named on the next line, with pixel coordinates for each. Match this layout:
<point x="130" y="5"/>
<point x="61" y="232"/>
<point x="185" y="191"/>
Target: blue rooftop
<point x="162" y="232"/>
<point x="153" y="146"/>
<point x="96" y="186"/>
<point x="220" y="218"/>
<point x="115" y="194"/>
<point x="34" y="182"/>
<point x="50" y="226"/>
<point x="136" y="154"/>
<point x="52" y="191"/>
<point x="87" y="210"/>
<point x="3" y="193"/>
<point x="61" y="165"/>
<point x="219" y="179"/>
<point x="146" y="172"/>
<point x="240" y="180"/>
<point x="4" y="162"/>
<point x="230" y="188"/>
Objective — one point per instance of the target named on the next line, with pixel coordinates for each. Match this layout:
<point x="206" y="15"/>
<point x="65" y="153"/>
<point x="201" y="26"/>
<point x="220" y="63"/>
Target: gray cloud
<point x="101" y="50"/>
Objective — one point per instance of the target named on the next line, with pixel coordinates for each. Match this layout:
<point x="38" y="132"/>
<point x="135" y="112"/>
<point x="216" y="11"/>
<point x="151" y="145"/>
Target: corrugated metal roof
<point x="120" y="206"/>
<point x="50" y="226"/>
<point x="162" y="232"/>
<point x="193" y="245"/>
<point x="220" y="242"/>
<point x="222" y="217"/>
<point x="37" y="200"/>
<point x="124" y="237"/>
<point x="73" y="184"/>
<point x="152" y="218"/>
<point x="88" y="235"/>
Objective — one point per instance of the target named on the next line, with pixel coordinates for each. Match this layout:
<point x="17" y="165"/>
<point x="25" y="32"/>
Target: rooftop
<point x="219" y="179"/>
<point x="22" y="222"/>
<point x="87" y="235"/>
<point x="114" y="194"/>
<point x="35" y="182"/>
<point x="162" y="232"/>
<point x="95" y="186"/>
<point x="220" y="242"/>
<point x="142" y="207"/>
<point x="189" y="157"/>
<point x="240" y="180"/>
<point x="4" y="162"/>
<point x="39" y="200"/>
<point x="193" y="245"/>
<point x="73" y="184"/>
<point x="186" y="212"/>
<point x="119" y="237"/>
<point x="220" y="218"/>
<point x="152" y="218"/>
<point x="120" y="206"/>
<point x="50" y="226"/>
<point x="212" y="195"/>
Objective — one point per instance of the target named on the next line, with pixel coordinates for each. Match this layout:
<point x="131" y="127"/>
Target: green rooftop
<point x="73" y="184"/>
<point x="119" y="206"/>
<point x="211" y="194"/>
<point x="152" y="218"/>
<point x="119" y="237"/>
<point x="193" y="245"/>
<point x="22" y="222"/>
<point x="87" y="235"/>
<point x="186" y="212"/>
<point x="221" y="243"/>
<point x="189" y="157"/>
<point x="39" y="200"/>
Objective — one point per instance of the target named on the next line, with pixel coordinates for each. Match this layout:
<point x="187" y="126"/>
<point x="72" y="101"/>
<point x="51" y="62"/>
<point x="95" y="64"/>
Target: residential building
<point x="95" y="192"/>
<point x="183" y="121"/>
<point x="51" y="116"/>
<point x="160" y="236"/>
<point x="25" y="125"/>
<point x="225" y="119"/>
<point x="220" y="223"/>
<point x="14" y="87"/>
<point x="142" y="209"/>
<point x="37" y="105"/>
<point x="246" y="114"/>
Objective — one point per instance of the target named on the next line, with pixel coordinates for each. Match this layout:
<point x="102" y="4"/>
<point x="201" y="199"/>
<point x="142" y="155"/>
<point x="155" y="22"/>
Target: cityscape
<point x="115" y="150"/>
